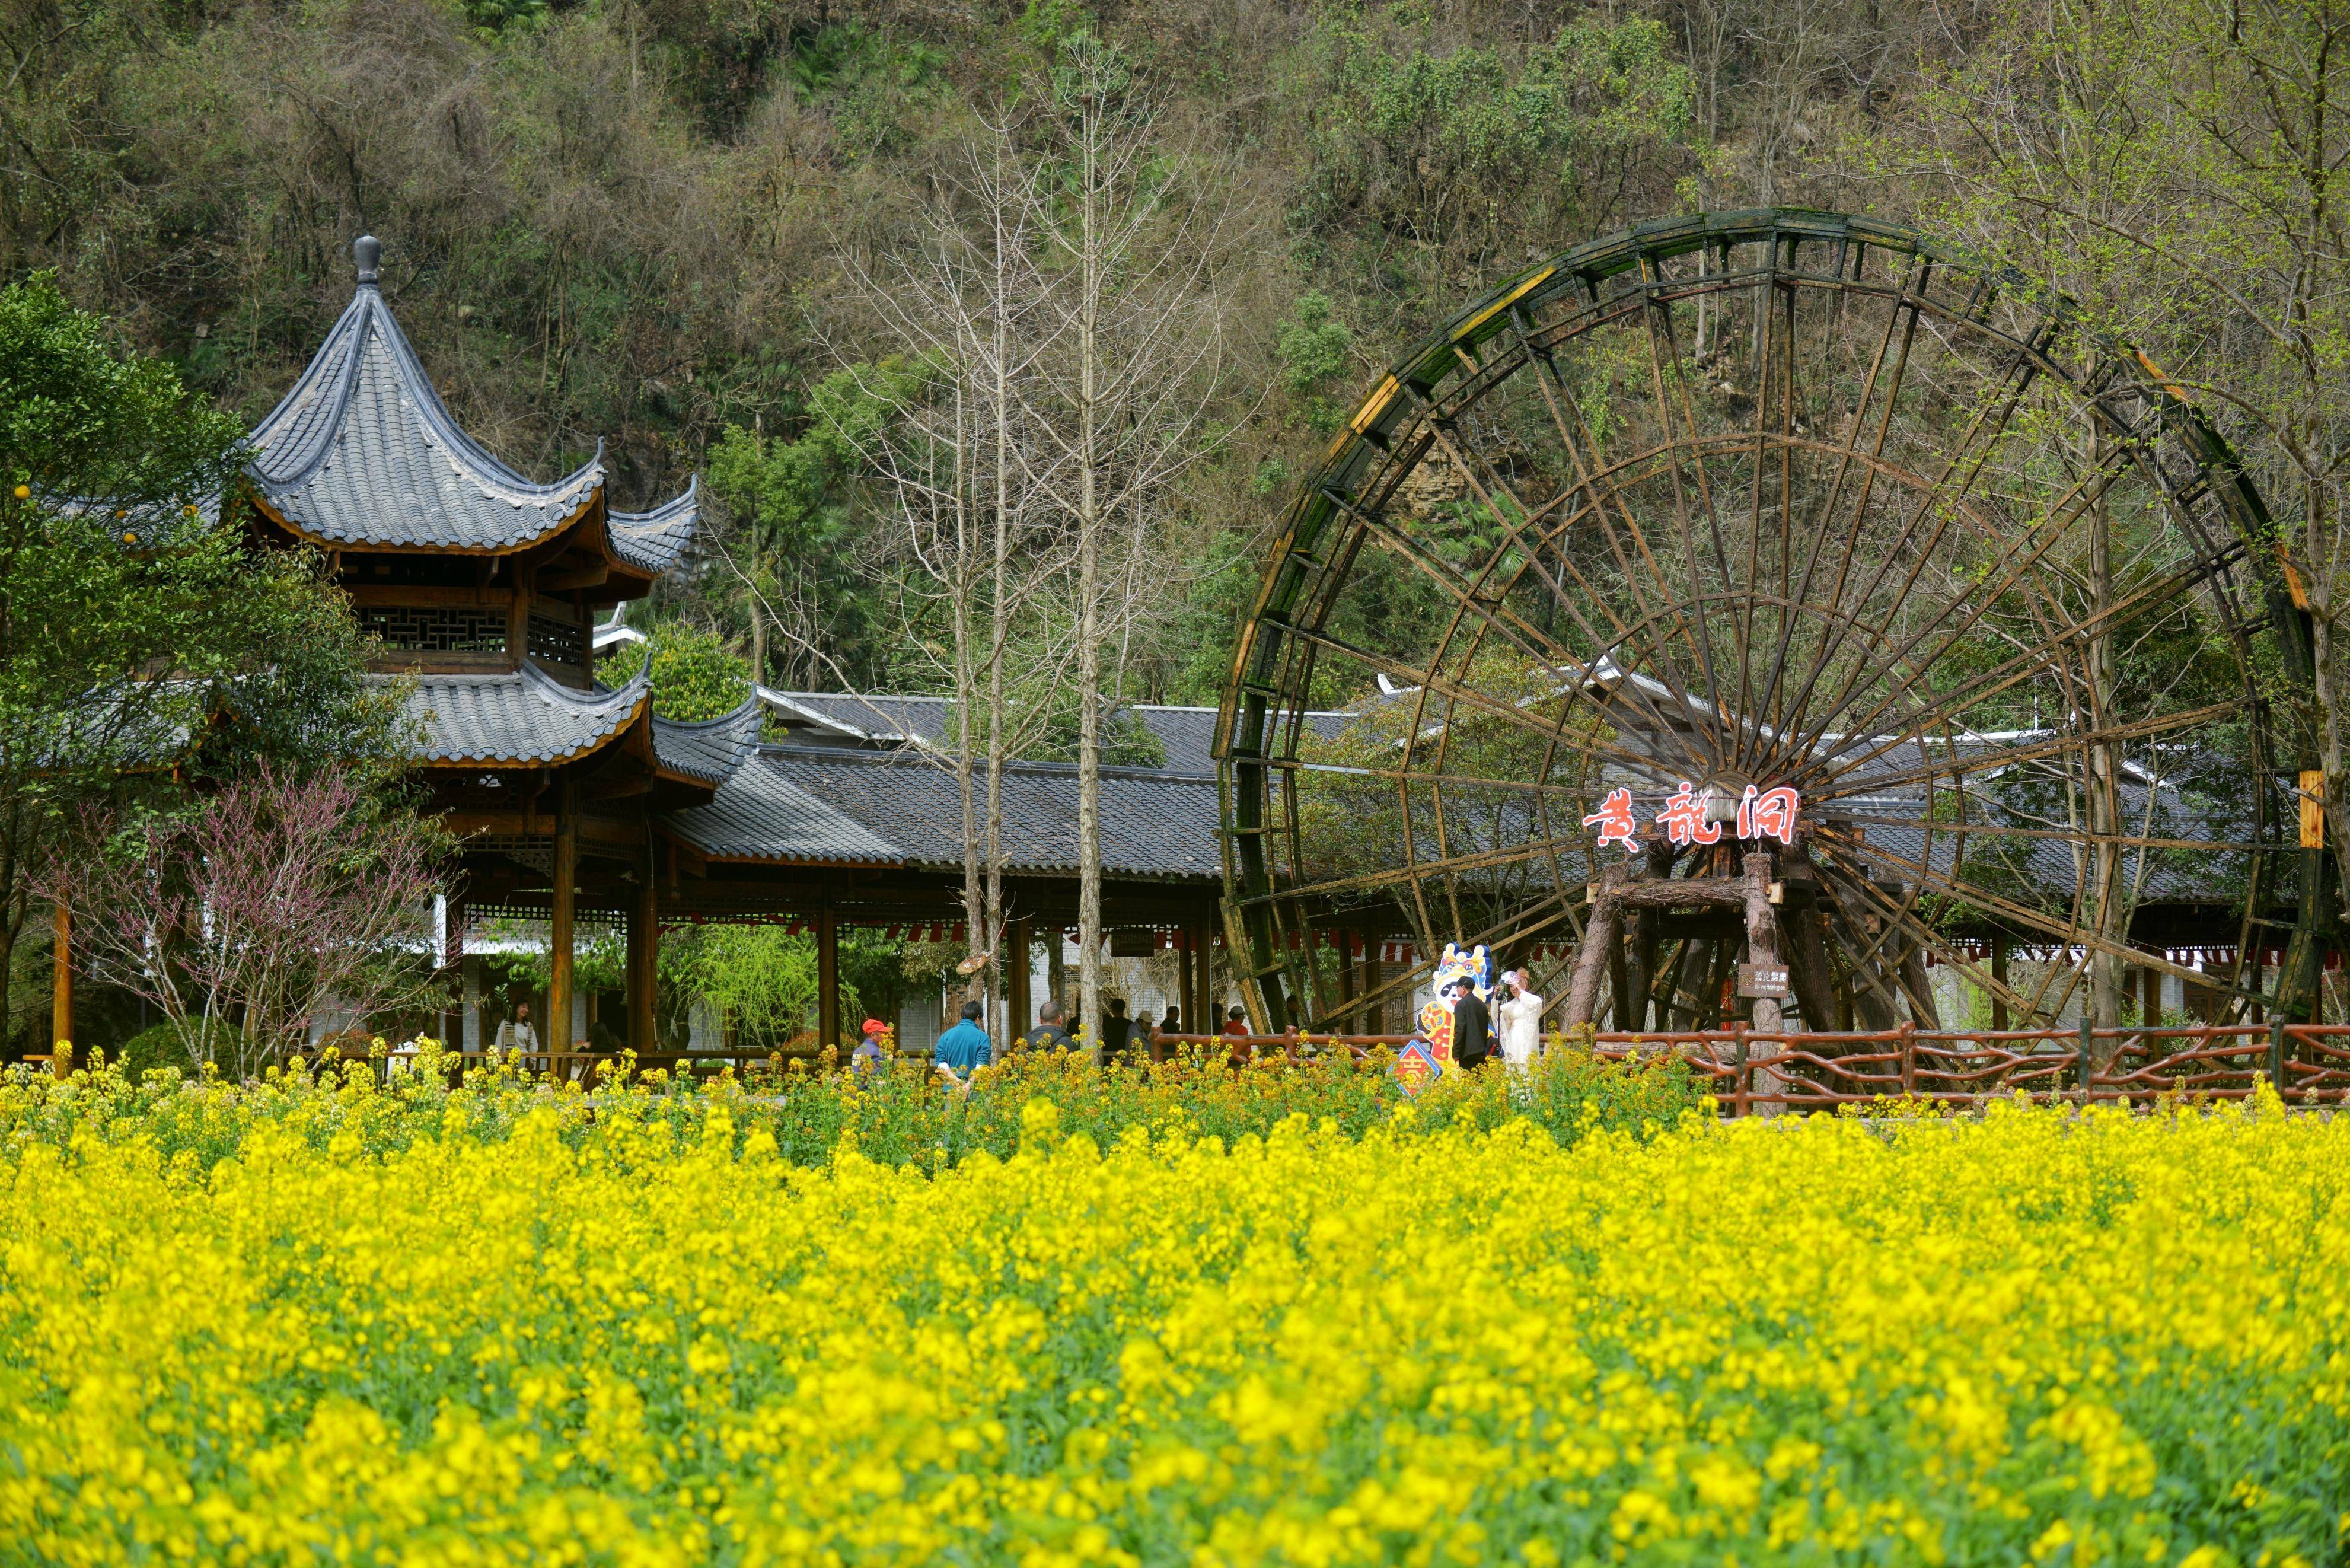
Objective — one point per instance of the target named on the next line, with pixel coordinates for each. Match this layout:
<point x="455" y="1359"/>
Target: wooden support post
<point x="644" y="956"/>
<point x="1923" y="1008"/>
<point x="1762" y="948"/>
<point x="452" y="964"/>
<point x="1019" y="1005"/>
<point x="1639" y="972"/>
<point x="1999" y="976"/>
<point x="61" y="987"/>
<point x="559" y="933"/>
<point x="1189" y="981"/>
<point x="1374" y="1013"/>
<point x="1344" y="1022"/>
<point x="1591" y="960"/>
<point x="827" y="979"/>
<point x="1204" y="933"/>
<point x="1761" y="936"/>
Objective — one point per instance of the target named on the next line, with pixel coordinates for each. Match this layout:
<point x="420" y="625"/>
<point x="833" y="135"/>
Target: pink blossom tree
<point x="247" y="918"/>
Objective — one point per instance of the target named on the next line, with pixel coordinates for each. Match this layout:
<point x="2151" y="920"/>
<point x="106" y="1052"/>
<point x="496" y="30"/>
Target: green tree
<point x="140" y="640"/>
<point x="795" y="505"/>
<point x="1475" y="155"/>
<point x="2179" y="170"/>
<point x="696" y="675"/>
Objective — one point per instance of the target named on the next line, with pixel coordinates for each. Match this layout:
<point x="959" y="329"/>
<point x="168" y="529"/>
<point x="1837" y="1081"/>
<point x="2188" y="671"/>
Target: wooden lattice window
<point x="553" y="641"/>
<point x="437" y="629"/>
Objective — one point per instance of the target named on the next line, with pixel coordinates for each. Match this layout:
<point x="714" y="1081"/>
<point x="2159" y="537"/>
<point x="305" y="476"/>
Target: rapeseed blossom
<point x="316" y="1329"/>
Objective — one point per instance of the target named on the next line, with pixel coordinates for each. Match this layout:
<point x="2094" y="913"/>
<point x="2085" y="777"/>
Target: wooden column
<point x="644" y="956"/>
<point x="557" y="1030"/>
<point x="61" y="992"/>
<point x="1375" y="1014"/>
<point x="1019" y="1010"/>
<point x="1190" y="981"/>
<point x="452" y="963"/>
<point x="1344" y="980"/>
<point x="1999" y="974"/>
<point x="1205" y="935"/>
<point x="1762" y="938"/>
<point x="827" y="979"/>
<point x="1599" y="941"/>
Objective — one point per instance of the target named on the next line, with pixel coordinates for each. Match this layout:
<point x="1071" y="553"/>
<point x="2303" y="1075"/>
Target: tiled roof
<point x="923" y="720"/>
<point x="654" y="541"/>
<point x="759" y="814"/>
<point x="711" y="750"/>
<point x="1153" y="823"/>
<point x="363" y="451"/>
<point x="1187" y="735"/>
<point x="518" y="716"/>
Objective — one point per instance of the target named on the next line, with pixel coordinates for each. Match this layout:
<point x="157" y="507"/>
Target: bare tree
<point x="1125" y="383"/>
<point x="959" y="459"/>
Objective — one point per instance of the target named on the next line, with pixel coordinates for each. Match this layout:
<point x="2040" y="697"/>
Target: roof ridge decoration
<point x="362" y="451"/>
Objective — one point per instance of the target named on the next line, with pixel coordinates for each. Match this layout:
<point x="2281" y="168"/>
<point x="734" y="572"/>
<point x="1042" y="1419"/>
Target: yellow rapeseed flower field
<point x="538" y="1331"/>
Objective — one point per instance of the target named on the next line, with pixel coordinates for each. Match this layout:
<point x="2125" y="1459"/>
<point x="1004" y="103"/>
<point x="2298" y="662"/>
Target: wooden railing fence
<point x="1749" y="1073"/>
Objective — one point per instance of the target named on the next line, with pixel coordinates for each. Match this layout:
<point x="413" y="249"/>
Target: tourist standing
<point x="1050" y="1034"/>
<point x="516" y="1034"/>
<point x="1520" y="1011"/>
<point x="1118" y="1030"/>
<point x="1472" y="1028"/>
<point x="964" y="1049"/>
<point x="866" y="1060"/>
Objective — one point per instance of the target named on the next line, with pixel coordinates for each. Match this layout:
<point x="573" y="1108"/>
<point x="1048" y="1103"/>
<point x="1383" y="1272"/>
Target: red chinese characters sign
<point x="1761" y="814"/>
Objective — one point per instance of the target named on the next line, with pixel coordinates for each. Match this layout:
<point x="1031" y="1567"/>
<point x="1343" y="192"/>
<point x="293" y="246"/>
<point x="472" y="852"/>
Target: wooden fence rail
<point x="1749" y="1071"/>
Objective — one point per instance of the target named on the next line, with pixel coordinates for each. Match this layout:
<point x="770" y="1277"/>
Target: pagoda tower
<point x="484" y="587"/>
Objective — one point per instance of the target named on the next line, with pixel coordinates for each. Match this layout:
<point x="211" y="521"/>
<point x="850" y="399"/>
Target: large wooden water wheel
<point x="1769" y="501"/>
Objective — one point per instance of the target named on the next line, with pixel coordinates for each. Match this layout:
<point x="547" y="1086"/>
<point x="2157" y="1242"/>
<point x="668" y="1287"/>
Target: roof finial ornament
<point x="366" y="250"/>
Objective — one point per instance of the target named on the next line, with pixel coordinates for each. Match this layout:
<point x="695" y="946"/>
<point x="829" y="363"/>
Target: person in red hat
<point x="867" y="1059"/>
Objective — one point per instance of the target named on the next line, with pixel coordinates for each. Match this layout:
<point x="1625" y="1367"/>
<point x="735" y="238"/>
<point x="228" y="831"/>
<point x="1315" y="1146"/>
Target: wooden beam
<point x="620" y="788"/>
<point x="578" y="577"/>
<point x="61" y="988"/>
<point x="619" y="832"/>
<point x="566" y="882"/>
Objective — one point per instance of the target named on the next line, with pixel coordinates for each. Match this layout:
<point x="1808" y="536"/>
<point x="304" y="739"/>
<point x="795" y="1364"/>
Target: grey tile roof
<point x="363" y="451"/>
<point x="521" y="716"/>
<point x="1187" y="735"/>
<point x="759" y="814"/>
<point x="655" y="541"/>
<point x="922" y="719"/>
<point x="1153" y="824"/>
<point x="711" y="750"/>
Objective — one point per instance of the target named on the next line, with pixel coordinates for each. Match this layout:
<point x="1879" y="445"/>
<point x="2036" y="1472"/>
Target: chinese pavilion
<point x="574" y="802"/>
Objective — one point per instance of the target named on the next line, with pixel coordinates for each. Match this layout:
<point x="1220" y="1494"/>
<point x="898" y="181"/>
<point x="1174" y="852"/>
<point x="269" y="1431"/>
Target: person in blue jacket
<point x="964" y="1049"/>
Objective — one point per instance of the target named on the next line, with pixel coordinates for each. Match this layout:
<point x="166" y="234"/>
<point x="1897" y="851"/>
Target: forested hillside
<point x="715" y="232"/>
